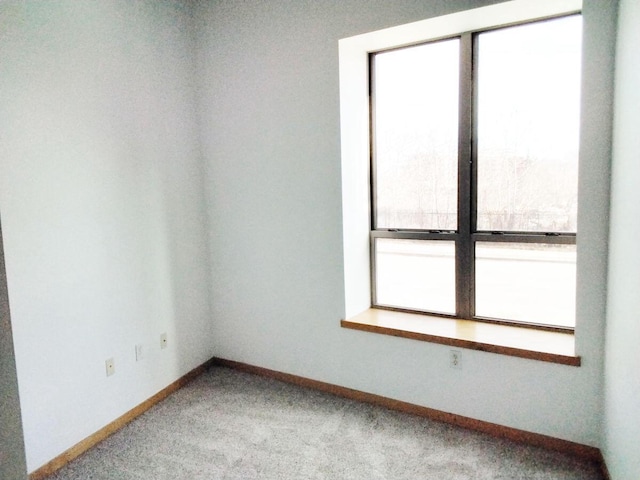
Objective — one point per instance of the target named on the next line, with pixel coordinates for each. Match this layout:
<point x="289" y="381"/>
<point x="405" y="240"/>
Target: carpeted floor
<point x="231" y="425"/>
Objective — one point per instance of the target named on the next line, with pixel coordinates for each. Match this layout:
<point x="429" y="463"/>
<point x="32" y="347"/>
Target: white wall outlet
<point x="455" y="359"/>
<point x="110" y="366"/>
<point x="139" y="352"/>
<point x="163" y="340"/>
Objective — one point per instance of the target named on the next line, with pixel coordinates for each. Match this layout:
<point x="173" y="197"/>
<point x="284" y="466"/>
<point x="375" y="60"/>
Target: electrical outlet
<point x="455" y="359"/>
<point x="163" y="340"/>
<point x="111" y="367"/>
<point x="139" y="352"/>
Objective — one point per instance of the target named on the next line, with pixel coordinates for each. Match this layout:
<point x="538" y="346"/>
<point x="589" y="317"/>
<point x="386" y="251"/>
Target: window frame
<point x="355" y="117"/>
<point x="467" y="235"/>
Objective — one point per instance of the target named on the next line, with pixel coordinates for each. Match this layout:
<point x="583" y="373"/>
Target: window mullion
<point x="464" y="246"/>
<point x="372" y="144"/>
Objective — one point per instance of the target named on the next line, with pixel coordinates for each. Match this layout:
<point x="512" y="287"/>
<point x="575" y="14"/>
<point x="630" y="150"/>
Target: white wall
<point x="270" y="129"/>
<point x="622" y="389"/>
<point x="103" y="209"/>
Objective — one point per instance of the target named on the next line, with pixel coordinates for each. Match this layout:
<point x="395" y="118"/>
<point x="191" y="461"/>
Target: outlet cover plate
<point x="455" y="359"/>
<point x="110" y="366"/>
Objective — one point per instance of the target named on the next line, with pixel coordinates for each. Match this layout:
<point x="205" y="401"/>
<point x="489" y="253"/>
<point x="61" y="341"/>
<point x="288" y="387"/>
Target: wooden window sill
<point x="522" y="342"/>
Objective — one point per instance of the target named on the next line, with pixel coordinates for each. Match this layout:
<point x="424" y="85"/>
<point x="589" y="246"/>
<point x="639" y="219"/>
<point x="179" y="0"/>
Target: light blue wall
<point x="103" y="211"/>
<point x="175" y="166"/>
<point x="622" y="385"/>
<point x="270" y="127"/>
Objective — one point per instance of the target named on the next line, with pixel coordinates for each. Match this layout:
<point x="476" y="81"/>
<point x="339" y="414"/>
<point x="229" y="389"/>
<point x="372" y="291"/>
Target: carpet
<point x="230" y="425"/>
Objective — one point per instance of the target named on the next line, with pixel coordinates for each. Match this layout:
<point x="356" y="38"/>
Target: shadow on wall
<point x="12" y="457"/>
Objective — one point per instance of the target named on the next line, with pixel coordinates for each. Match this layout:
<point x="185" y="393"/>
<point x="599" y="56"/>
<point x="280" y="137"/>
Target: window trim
<point x="541" y="345"/>
<point x="354" y="114"/>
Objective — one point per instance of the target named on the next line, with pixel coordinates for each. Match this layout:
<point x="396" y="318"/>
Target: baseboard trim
<point x="78" y="449"/>
<point x="603" y="467"/>
<point x="583" y="451"/>
<point x="500" y="431"/>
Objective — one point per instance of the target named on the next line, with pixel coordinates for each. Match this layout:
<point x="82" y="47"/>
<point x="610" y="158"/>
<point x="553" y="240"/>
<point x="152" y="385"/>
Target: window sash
<point x="466" y="235"/>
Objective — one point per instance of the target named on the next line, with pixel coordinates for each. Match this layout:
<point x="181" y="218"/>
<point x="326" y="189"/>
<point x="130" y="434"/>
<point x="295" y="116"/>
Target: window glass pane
<point x="528" y="126"/>
<point x="415" y="274"/>
<point x="416" y="136"/>
<point x="528" y="282"/>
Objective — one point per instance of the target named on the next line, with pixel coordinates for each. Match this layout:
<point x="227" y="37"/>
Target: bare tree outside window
<point x="528" y="127"/>
<point x="416" y="136"/>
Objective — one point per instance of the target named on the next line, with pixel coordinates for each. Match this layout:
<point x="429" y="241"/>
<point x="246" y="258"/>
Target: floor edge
<point x="535" y="439"/>
<point x="92" y="440"/>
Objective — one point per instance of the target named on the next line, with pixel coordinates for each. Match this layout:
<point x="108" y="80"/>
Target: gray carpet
<point x="231" y="425"/>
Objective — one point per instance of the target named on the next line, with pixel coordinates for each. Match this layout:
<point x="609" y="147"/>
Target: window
<point x="484" y="234"/>
<point x="474" y="161"/>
